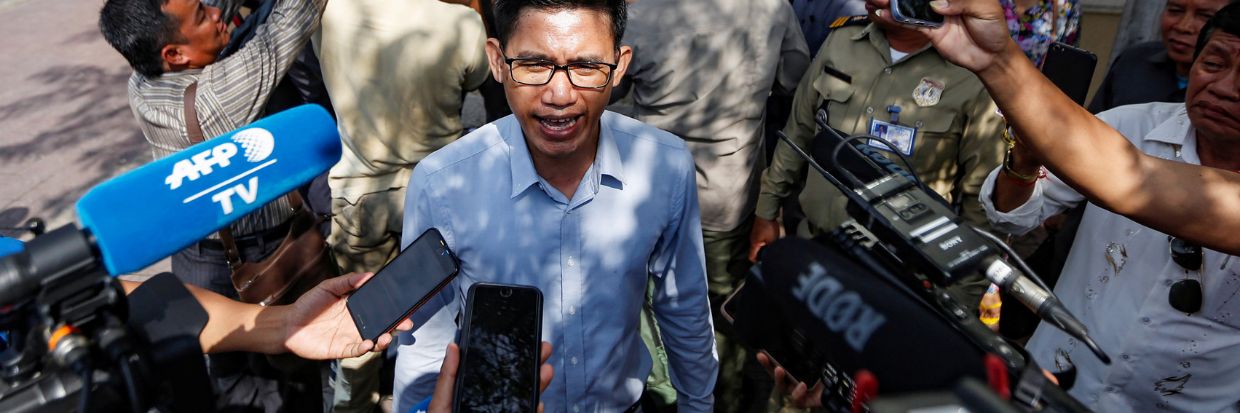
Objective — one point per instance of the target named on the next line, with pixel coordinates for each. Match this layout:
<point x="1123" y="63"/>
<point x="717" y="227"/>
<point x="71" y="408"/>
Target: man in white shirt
<point x="1160" y="306"/>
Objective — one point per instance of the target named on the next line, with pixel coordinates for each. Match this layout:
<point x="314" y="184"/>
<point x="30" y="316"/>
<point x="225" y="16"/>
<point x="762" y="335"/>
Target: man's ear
<point x="173" y="56"/>
<point x="495" y="56"/>
<point x="622" y="65"/>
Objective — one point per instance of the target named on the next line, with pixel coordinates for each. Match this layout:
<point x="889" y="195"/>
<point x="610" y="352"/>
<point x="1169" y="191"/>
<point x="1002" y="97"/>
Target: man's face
<point x="202" y="34"/>
<point x="559" y="120"/>
<point x="1181" y="21"/>
<point x="1213" y="96"/>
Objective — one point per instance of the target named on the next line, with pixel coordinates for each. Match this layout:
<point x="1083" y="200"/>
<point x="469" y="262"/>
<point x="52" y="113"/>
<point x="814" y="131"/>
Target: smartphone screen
<point x="916" y="12"/>
<point x="500" y="341"/>
<point x="1071" y="69"/>
<point x="410" y="280"/>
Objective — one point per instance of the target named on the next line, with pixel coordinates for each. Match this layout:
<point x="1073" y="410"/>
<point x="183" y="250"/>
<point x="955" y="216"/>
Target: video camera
<point x="865" y="308"/>
<point x="76" y="341"/>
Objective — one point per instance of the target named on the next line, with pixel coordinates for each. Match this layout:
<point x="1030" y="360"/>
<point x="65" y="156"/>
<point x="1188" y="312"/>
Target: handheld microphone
<point x="918" y="225"/>
<point x="162" y="207"/>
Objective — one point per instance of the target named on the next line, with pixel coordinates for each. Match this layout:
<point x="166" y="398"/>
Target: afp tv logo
<point x="252" y="146"/>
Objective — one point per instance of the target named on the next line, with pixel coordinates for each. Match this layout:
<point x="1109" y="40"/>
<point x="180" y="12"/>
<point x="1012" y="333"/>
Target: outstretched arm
<point x="317" y="326"/>
<point x="1197" y="203"/>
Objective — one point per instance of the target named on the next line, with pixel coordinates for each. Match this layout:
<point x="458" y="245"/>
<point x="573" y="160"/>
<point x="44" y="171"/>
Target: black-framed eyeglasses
<point x="1186" y="294"/>
<point x="538" y="72"/>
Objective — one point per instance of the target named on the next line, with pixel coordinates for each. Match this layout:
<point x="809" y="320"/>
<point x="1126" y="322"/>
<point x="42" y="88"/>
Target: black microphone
<point x="838" y="314"/>
<point x="917" y="224"/>
<point x="854" y="320"/>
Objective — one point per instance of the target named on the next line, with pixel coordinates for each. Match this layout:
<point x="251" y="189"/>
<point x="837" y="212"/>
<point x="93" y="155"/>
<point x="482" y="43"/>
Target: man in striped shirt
<point x="171" y="45"/>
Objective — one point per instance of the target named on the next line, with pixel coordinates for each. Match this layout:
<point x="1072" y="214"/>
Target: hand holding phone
<point x="419" y="272"/>
<point x="500" y="343"/>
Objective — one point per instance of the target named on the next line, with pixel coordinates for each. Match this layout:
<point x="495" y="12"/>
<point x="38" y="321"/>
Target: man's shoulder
<point x="626" y="128"/>
<point x="1134" y="121"/>
<point x="464" y="152"/>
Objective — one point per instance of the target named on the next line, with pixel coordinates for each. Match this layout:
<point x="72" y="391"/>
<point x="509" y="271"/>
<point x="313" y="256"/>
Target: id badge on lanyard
<point x="903" y="137"/>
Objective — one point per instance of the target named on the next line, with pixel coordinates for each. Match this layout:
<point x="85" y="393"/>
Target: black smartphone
<point x="1070" y="68"/>
<point x="915" y="12"/>
<point x="419" y="272"/>
<point x="500" y="342"/>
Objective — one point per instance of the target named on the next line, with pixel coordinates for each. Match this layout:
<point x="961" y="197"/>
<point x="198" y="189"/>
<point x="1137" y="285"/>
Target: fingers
<point x="441" y="399"/>
<point x="753" y="251"/>
<point x="405" y="325"/>
<point x="544" y="352"/>
<point x="946" y="7"/>
<point x="545" y="374"/>
<point x="545" y="371"/>
<point x="343" y="285"/>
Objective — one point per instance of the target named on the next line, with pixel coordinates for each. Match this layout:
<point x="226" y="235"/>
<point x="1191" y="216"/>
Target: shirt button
<point x="887" y="70"/>
<point x="1145" y="320"/>
<point x="571" y="262"/>
<point x="1124" y="356"/>
<point x="573" y="360"/>
<point x="869" y="110"/>
<point x="572" y="310"/>
<point x="917" y="124"/>
<point x="576" y="408"/>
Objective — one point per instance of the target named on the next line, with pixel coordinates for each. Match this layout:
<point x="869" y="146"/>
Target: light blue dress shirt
<point x="634" y="217"/>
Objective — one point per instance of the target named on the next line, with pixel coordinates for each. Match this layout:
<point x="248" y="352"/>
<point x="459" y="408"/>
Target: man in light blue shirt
<point x="584" y="204"/>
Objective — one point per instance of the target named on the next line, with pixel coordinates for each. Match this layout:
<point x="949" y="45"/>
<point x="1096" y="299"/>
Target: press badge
<point x="899" y="135"/>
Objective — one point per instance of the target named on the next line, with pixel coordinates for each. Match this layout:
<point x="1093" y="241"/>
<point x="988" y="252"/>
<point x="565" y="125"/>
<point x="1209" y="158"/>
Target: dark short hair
<point x="507" y="12"/>
<point x="138" y="29"/>
<point x="1227" y="19"/>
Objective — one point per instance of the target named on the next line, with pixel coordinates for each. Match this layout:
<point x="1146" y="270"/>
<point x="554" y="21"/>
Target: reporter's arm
<point x="1196" y="203"/>
<point x="317" y="326"/>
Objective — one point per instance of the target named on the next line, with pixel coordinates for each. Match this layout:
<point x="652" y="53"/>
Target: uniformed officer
<point x="879" y="77"/>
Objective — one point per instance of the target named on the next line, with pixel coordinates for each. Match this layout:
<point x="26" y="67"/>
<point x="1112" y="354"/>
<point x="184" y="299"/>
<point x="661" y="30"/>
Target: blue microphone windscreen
<point x="160" y="208"/>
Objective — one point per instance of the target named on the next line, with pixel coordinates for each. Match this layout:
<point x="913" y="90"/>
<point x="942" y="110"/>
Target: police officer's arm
<point x="1196" y="203"/>
<point x="318" y="326"/>
<point x="786" y="173"/>
<point x="981" y="150"/>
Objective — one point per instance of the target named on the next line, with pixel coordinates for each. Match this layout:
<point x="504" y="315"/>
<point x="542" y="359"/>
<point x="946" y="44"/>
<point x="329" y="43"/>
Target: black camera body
<point x="77" y="342"/>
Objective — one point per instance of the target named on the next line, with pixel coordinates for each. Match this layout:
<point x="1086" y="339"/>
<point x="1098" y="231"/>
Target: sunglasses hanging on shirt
<point x="1186" y="294"/>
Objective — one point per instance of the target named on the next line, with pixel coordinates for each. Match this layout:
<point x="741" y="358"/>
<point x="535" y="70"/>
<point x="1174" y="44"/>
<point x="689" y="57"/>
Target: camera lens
<point x="505" y="292"/>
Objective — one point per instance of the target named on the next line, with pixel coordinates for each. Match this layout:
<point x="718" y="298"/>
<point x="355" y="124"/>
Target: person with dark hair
<point x="1164" y="304"/>
<point x="1157" y="71"/>
<point x="182" y="84"/>
<point x="585" y="204"/>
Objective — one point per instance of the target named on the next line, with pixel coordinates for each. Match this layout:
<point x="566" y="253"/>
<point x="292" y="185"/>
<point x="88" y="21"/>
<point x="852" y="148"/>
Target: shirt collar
<point x="879" y="39"/>
<point x="606" y="158"/>
<point x="1178" y="132"/>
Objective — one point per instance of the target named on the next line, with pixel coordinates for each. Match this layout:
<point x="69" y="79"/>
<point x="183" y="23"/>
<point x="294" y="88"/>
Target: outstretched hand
<point x="974" y="33"/>
<point x="319" y="326"/>
<point x="445" y="387"/>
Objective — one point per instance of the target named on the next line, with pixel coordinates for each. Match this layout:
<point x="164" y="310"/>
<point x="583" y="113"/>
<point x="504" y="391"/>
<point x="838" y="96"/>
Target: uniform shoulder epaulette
<point x="845" y="21"/>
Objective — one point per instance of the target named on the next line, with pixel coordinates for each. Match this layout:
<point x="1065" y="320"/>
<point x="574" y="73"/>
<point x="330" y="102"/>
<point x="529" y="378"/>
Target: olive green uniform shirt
<point x="957" y="142"/>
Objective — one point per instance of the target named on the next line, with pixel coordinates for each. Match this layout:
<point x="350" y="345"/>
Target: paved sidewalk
<point x="65" y="123"/>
